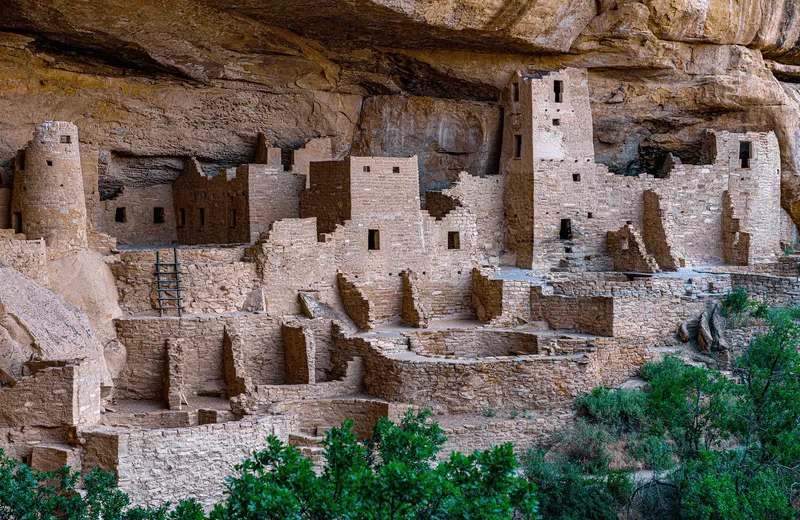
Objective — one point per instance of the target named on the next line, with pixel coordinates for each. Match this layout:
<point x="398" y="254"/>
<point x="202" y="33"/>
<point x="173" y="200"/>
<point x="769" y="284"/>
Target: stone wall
<point x="299" y="354"/>
<point x="524" y="382"/>
<point x="145" y="340"/>
<point x="5" y="208"/>
<point x="776" y="290"/>
<point x="61" y="394"/>
<point x="211" y="284"/>
<point x="587" y="314"/>
<point x="313" y="415"/>
<point x="628" y="252"/>
<point x="130" y="216"/>
<point x="158" y="466"/>
<point x="473" y="343"/>
<point x="29" y="257"/>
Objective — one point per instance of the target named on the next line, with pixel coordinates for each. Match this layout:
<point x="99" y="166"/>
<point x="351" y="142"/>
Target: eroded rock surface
<point x="151" y="84"/>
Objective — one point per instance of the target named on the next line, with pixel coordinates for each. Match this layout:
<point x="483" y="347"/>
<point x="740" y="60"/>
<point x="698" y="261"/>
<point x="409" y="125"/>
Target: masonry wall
<point x="5" y="208"/>
<point x="48" y="191"/>
<point x="145" y="341"/>
<point x="197" y="193"/>
<point x="527" y="382"/>
<point x="323" y="414"/>
<point x="158" y="466"/>
<point x="273" y="195"/>
<point x="776" y="290"/>
<point x="219" y="283"/>
<point x="139" y="226"/>
<point x="29" y="257"/>
<point x="586" y="314"/>
<point x="64" y="395"/>
<point x="472" y="343"/>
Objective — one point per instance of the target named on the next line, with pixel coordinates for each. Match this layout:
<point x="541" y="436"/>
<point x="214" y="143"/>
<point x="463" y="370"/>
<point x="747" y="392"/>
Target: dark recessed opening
<point x="745" y="153"/>
<point x="366" y="169"/>
<point x="182" y="217"/>
<point x="17" y="222"/>
<point x="576" y="177"/>
<point x="158" y="215"/>
<point x="66" y="139"/>
<point x="396" y="169"/>
<point x="517" y="146"/>
<point x="566" y="229"/>
<point x="202" y="216"/>
<point x="453" y="240"/>
<point x="515" y="92"/>
<point x="558" y="89"/>
<point x="49" y="163"/>
<point x="120" y="215"/>
<point x="21" y="160"/>
<point x="590" y="215"/>
<point x="556" y="122"/>
<point x="233" y="218"/>
<point x="374" y="240"/>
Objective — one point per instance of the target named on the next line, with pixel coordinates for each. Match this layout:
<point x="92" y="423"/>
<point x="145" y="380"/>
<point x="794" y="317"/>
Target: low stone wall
<point x="656" y="318"/>
<point x="472" y="343"/>
<point x="617" y="284"/>
<point x="63" y="395"/>
<point x="311" y="415"/>
<point x="524" y="382"/>
<point x="155" y="466"/>
<point x="29" y="257"/>
<point x="586" y="314"/>
<point x="212" y="281"/>
<point x="348" y="384"/>
<point x="776" y="290"/>
<point x="500" y="303"/>
<point x="528" y="429"/>
<point x="426" y="298"/>
<point x="145" y="341"/>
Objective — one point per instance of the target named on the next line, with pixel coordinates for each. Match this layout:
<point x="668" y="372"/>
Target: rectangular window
<point x="566" y="229"/>
<point x="515" y="92"/>
<point x="517" y="146"/>
<point x="589" y="215"/>
<point x="119" y="215"/>
<point x="576" y="177"/>
<point x="745" y="153"/>
<point x="158" y="215"/>
<point x="202" y="216"/>
<point x="453" y="240"/>
<point x="49" y="163"/>
<point x="374" y="240"/>
<point x="21" y="160"/>
<point x="556" y="122"/>
<point x="233" y="218"/>
<point x="66" y="139"/>
<point x="182" y="216"/>
<point x="17" y="222"/>
<point x="623" y="244"/>
<point x="366" y="169"/>
<point x="396" y="169"/>
<point x="558" y="90"/>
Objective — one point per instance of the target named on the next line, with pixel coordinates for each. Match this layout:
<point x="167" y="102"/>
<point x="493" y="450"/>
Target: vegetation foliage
<point x="390" y="477"/>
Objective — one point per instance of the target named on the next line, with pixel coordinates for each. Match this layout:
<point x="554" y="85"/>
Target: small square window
<point x="576" y="177"/>
<point x="453" y="240"/>
<point x="120" y="215"/>
<point x="396" y="169"/>
<point x="49" y="163"/>
<point x="366" y="169"/>
<point x="374" y="240"/>
<point x="556" y="122"/>
<point x="590" y="215"/>
<point x="66" y="139"/>
<point x="158" y="216"/>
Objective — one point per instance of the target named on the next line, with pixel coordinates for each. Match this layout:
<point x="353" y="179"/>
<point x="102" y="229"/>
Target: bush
<point x="584" y="445"/>
<point x="624" y="411"/>
<point x="566" y="494"/>
<point x="736" y="302"/>
<point x="654" y="451"/>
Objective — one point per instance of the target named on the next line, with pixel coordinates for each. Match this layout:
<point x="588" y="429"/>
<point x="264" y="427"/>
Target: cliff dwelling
<point x="162" y="329"/>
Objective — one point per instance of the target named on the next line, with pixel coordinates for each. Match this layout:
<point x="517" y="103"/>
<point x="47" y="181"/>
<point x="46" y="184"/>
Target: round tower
<point x="48" y="199"/>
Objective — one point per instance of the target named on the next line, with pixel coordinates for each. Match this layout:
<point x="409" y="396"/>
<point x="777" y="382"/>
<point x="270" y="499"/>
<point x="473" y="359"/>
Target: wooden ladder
<point x="168" y="285"/>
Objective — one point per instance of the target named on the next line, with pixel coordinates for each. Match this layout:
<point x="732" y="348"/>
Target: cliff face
<point x="154" y="82"/>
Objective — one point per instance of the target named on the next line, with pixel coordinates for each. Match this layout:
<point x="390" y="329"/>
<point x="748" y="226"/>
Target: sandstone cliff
<point x="150" y="83"/>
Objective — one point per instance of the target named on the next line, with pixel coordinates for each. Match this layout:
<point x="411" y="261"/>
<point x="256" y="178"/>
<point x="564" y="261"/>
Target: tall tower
<point x="547" y="118"/>
<point x="48" y="199"/>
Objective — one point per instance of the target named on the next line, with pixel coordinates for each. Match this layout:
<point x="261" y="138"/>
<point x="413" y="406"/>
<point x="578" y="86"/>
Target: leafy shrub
<point x="654" y="451"/>
<point x="584" y="445"/>
<point x="736" y="302"/>
<point x="622" y="410"/>
<point x="565" y="493"/>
